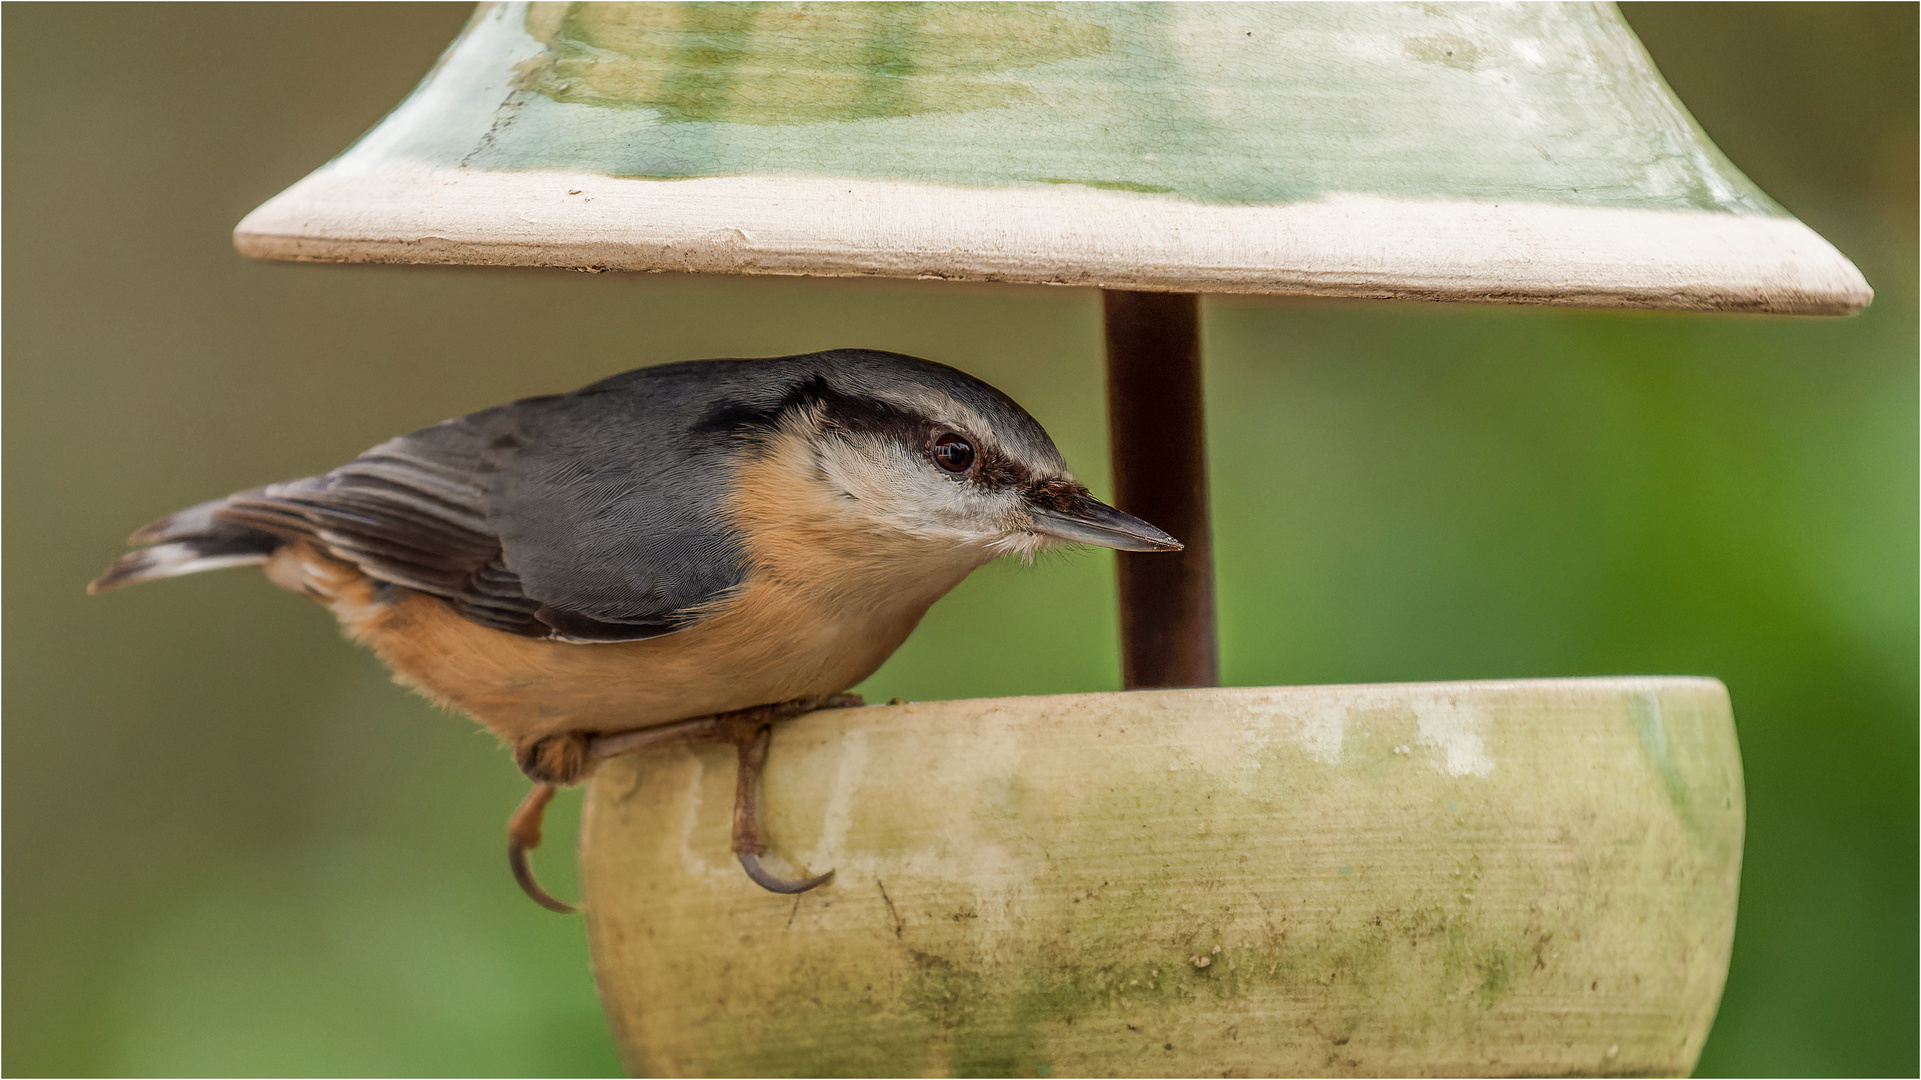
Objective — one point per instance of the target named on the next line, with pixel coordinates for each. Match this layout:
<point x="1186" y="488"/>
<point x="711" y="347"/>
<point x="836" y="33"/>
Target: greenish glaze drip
<point x="1699" y="791"/>
<point x="700" y="75"/>
<point x="768" y="64"/>
<point x="888" y="63"/>
<point x="1645" y="709"/>
<point x="1110" y="185"/>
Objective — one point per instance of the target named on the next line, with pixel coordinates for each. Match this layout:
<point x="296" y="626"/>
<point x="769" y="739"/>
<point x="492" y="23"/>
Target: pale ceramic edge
<point x="1590" y="683"/>
<point x="1349" y="246"/>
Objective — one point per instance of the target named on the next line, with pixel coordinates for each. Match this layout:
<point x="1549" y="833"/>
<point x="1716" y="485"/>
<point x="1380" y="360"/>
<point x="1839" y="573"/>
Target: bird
<point x="682" y="552"/>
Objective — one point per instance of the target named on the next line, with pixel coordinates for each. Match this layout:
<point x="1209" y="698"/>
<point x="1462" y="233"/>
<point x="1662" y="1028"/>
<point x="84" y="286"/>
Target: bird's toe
<point x="560" y="759"/>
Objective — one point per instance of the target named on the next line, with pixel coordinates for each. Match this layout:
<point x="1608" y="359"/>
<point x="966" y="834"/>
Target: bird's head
<point x="877" y="447"/>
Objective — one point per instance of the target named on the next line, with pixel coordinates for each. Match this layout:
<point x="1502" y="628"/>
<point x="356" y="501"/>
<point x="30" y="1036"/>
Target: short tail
<point x="187" y="543"/>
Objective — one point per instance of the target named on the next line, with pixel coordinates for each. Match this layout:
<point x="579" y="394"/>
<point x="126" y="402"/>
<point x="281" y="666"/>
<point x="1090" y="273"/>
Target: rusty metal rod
<point x="1158" y="438"/>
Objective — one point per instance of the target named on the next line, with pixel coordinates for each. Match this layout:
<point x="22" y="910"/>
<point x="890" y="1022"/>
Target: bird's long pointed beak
<point x="1087" y="520"/>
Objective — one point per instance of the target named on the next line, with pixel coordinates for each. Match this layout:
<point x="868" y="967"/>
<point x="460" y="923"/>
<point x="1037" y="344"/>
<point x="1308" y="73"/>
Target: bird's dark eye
<point x="953" y="452"/>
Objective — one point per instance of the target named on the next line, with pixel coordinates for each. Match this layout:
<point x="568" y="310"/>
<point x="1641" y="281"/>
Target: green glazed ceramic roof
<point x="1238" y="106"/>
<point x="1372" y="142"/>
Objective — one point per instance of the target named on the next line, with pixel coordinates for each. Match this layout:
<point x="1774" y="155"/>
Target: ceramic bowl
<point x="1485" y="878"/>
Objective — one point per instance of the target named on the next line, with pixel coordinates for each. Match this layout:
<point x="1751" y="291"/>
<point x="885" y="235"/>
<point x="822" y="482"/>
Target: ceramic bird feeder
<point x="1488" y="878"/>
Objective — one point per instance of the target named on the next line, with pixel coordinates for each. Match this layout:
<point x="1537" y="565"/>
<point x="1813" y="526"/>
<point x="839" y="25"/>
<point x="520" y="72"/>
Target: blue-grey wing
<point x="595" y="516"/>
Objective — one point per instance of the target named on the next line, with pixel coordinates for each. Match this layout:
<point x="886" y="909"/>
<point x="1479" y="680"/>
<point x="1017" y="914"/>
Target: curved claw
<point x="524" y="874"/>
<point x="523" y="835"/>
<point x="748" y="844"/>
<point x="750" y="862"/>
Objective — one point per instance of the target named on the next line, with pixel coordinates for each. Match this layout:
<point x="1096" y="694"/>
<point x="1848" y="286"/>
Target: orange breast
<point x="826" y="601"/>
<point x="773" y="641"/>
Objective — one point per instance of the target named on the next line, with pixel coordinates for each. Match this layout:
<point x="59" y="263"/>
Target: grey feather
<point x="186" y="543"/>
<point x="592" y="516"/>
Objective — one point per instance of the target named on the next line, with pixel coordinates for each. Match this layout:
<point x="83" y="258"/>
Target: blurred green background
<point x="231" y="846"/>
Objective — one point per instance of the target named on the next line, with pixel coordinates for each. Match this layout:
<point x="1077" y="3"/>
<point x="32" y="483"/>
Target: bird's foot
<point x="570" y="757"/>
<point x="749" y="846"/>
<point x="523" y="835"/>
<point x="736" y="728"/>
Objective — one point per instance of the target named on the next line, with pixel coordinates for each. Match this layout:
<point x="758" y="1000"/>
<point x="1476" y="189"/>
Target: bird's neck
<point x="803" y="535"/>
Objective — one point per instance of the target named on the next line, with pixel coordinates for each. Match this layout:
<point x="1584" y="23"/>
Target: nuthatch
<point x="676" y="554"/>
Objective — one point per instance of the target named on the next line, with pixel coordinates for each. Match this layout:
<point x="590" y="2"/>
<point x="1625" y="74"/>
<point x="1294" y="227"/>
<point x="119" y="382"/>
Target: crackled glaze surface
<point x="1237" y="104"/>
<point x="1503" y="878"/>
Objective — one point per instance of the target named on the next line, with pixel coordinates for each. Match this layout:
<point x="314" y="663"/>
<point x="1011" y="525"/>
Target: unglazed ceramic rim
<point x="1349" y="246"/>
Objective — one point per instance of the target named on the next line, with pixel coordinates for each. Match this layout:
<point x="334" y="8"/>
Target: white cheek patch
<point x="895" y="491"/>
